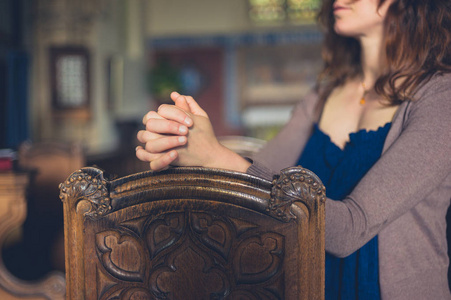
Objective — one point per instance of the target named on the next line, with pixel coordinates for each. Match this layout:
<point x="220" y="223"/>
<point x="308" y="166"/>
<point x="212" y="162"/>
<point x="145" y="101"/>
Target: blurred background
<point x="77" y="76"/>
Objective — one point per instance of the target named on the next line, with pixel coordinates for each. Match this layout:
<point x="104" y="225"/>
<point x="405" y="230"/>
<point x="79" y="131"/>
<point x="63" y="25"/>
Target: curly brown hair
<point x="417" y="43"/>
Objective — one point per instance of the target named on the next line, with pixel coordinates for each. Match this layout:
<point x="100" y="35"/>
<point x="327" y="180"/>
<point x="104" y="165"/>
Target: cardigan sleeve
<point x="417" y="162"/>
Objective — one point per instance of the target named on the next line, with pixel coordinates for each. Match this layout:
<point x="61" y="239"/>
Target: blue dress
<point x="357" y="275"/>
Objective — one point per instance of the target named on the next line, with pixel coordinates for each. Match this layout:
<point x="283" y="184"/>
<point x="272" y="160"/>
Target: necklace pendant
<point x="362" y="101"/>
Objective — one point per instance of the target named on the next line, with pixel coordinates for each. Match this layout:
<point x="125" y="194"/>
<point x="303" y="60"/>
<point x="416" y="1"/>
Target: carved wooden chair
<point x="194" y="233"/>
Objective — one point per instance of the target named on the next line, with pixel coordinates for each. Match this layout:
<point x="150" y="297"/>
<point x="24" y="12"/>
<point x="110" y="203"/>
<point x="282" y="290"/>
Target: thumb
<point x="195" y="108"/>
<point x="180" y="102"/>
<point x="188" y="104"/>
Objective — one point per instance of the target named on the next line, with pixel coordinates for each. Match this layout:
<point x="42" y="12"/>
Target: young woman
<point x="376" y="130"/>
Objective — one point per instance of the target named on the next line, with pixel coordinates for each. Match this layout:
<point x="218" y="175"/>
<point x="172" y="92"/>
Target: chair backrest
<point x="194" y="233"/>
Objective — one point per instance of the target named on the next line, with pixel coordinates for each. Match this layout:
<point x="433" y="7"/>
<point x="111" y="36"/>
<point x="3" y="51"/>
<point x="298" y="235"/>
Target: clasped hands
<point x="182" y="135"/>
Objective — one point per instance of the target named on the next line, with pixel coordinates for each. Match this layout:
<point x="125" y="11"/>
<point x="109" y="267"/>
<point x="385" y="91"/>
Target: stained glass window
<point x="281" y="11"/>
<point x="267" y="10"/>
<point x="302" y="9"/>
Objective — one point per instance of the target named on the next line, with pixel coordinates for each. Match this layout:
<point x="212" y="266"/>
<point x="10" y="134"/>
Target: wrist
<point x="224" y="158"/>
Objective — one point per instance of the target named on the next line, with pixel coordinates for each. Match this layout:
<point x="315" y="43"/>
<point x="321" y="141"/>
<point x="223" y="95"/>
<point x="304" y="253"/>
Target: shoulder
<point x="439" y="84"/>
<point x="428" y="112"/>
<point x="429" y="106"/>
<point x="433" y="98"/>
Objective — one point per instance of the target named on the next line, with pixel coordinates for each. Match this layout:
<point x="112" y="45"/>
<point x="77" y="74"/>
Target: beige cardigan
<point x="403" y="198"/>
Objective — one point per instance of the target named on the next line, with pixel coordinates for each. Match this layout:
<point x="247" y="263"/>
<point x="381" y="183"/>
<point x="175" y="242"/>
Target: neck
<point x="372" y="59"/>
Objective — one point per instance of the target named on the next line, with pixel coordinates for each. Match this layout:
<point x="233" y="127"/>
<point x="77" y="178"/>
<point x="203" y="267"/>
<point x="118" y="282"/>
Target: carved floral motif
<point x="293" y="185"/>
<point x="269" y="248"/>
<point x="180" y="244"/>
<point x="89" y="190"/>
<point x="214" y="233"/>
<point x="169" y="280"/>
<point x="121" y="255"/>
<point x="165" y="232"/>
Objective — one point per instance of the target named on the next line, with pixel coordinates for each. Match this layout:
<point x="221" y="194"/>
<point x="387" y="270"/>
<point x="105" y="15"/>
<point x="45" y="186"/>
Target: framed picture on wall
<point x="69" y="79"/>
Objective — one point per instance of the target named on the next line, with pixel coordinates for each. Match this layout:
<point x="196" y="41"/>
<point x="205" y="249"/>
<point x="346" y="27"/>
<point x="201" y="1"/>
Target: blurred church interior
<point x="81" y="74"/>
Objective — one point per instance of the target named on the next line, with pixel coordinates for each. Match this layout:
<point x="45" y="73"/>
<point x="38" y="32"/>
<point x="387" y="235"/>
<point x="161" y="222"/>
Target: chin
<point x="343" y="31"/>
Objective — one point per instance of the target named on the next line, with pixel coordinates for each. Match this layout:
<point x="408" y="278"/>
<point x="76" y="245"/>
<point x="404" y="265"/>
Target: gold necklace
<point x="365" y="91"/>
